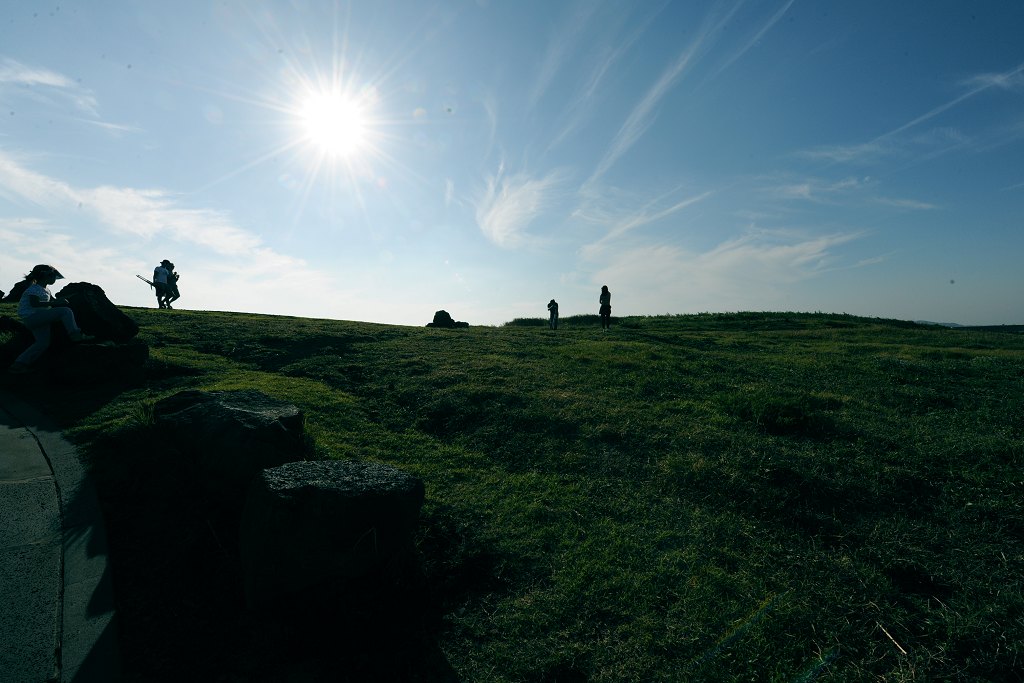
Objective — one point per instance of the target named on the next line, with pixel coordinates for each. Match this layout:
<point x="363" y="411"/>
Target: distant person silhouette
<point x="553" y="314"/>
<point x="606" y="307"/>
<point x="172" y="286"/>
<point x="39" y="310"/>
<point x="165" y="282"/>
<point x="161" y="274"/>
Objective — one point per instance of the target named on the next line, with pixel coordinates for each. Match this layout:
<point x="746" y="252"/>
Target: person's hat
<point x="165" y="262"/>
<point x="44" y="269"/>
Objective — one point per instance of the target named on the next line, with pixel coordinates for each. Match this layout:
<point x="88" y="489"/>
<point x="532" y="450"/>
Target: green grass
<point x="771" y="497"/>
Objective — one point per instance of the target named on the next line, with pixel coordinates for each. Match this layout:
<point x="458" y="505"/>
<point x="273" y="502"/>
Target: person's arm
<point x="35" y="301"/>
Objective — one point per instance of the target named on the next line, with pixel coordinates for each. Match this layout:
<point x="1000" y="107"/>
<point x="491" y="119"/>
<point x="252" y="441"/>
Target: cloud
<point x="911" y="204"/>
<point x="227" y="267"/>
<point x="113" y="127"/>
<point x="18" y="182"/>
<point x="560" y="43"/>
<point x="642" y="115"/>
<point x="754" y="271"/>
<point x="581" y="105"/>
<point x="15" y="73"/>
<point x="1007" y="80"/>
<point x="12" y="71"/>
<point x="815" y="189"/>
<point x="611" y="210"/>
<point x="864" y="152"/>
<point x="755" y="39"/>
<point x="129" y="211"/>
<point x="890" y="142"/>
<point x="511" y="203"/>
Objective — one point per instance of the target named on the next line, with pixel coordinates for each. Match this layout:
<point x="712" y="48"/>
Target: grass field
<point x="760" y="497"/>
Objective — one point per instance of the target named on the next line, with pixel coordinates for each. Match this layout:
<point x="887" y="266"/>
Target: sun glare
<point x="335" y="124"/>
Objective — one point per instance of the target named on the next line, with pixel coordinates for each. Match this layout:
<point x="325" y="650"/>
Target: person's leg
<point x="39" y="325"/>
<point x="66" y="317"/>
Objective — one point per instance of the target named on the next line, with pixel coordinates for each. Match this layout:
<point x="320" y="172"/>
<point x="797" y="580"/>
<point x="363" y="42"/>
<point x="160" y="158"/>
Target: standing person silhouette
<point x="553" y="314"/>
<point x="606" y="307"/>
<point x="161" y="275"/>
<point x="39" y="310"/>
<point x="172" y="286"/>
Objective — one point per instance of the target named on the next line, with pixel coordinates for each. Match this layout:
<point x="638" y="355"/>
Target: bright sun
<point x="334" y="123"/>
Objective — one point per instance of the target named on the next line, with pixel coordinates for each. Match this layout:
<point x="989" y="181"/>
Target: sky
<point x="379" y="161"/>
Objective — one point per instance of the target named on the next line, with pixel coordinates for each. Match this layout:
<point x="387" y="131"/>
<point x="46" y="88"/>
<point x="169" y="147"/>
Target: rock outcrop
<point x="231" y="436"/>
<point x="444" y="319"/>
<point x="16" y="291"/>
<point x="96" y="315"/>
<point x="309" y="528"/>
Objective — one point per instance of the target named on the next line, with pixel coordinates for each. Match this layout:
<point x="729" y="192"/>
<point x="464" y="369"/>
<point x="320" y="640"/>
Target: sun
<point x="335" y="124"/>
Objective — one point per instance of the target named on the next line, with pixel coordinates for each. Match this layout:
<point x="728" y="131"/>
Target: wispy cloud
<point x="642" y="116"/>
<point x="129" y="211"/>
<point x="13" y="72"/>
<point x="1007" y="80"/>
<point x="750" y="272"/>
<point x="510" y="203"/>
<point x="814" y="189"/>
<point x="613" y="213"/>
<point x="891" y="142"/>
<point x="560" y="44"/>
<point x="231" y="266"/>
<point x="910" y="204"/>
<point x="581" y="105"/>
<point x="113" y="127"/>
<point x="746" y="47"/>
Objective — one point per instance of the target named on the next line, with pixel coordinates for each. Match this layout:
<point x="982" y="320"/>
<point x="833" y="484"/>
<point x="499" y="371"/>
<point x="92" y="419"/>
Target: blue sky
<point x="381" y="160"/>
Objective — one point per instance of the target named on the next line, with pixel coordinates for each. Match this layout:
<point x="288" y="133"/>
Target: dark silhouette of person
<point x="39" y="310"/>
<point x="606" y="307"/>
<point x="161" y="275"/>
<point x="553" y="314"/>
<point x="172" y="286"/>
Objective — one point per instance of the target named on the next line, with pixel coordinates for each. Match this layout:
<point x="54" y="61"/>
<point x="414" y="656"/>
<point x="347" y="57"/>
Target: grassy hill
<point x="776" y="497"/>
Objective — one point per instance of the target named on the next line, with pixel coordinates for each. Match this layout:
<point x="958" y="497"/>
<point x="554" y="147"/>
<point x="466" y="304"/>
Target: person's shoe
<point x="19" y="368"/>
<point x="81" y="337"/>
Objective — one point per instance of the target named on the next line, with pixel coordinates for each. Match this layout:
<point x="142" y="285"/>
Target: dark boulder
<point x="310" y="528"/>
<point x="444" y="319"/>
<point x="231" y="436"/>
<point x="16" y="291"/>
<point x="95" y="313"/>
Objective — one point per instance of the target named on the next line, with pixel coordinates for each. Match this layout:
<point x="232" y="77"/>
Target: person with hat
<point x="161" y="277"/>
<point x="39" y="310"/>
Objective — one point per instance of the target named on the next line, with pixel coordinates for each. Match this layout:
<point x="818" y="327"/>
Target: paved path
<point x="56" y="601"/>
